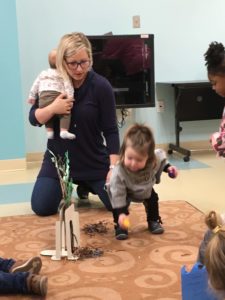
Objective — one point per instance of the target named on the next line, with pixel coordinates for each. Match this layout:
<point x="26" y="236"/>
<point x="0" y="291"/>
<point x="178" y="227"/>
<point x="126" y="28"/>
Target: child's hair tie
<point x="217" y="229"/>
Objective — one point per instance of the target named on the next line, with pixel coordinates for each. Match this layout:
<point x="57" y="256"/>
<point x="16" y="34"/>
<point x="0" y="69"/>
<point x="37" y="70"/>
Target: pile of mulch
<point x="87" y="252"/>
<point x="91" y="229"/>
<point x="99" y="228"/>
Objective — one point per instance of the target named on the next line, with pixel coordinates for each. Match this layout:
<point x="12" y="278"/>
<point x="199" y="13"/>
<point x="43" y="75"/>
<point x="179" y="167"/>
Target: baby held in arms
<point x="45" y="89"/>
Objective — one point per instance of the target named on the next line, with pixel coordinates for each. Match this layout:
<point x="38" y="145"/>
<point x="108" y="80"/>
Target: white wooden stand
<point x="67" y="234"/>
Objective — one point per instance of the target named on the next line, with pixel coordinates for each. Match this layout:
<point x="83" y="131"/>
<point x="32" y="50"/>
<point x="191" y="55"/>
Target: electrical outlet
<point x="136" y="22"/>
<point x="160" y="106"/>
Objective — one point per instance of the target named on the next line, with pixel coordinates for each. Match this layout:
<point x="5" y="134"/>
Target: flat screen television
<point x="127" y="61"/>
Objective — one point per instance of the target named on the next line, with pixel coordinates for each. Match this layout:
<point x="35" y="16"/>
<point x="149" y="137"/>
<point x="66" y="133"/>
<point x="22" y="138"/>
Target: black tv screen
<point x="127" y="61"/>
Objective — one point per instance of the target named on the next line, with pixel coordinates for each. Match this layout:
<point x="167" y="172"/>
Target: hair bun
<point x="213" y="219"/>
<point x="214" y="56"/>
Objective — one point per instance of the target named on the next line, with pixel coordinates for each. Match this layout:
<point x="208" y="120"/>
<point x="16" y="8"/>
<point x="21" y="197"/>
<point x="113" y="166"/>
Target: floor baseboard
<point x="13" y="164"/>
<point x="34" y="159"/>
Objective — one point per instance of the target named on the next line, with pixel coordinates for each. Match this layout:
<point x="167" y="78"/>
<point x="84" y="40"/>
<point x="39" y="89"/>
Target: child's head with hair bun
<point x="215" y="59"/>
<point x="215" y="63"/>
<point x="215" y="252"/>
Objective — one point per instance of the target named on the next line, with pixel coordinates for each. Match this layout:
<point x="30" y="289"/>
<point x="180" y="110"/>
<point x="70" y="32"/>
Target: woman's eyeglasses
<point x="73" y="65"/>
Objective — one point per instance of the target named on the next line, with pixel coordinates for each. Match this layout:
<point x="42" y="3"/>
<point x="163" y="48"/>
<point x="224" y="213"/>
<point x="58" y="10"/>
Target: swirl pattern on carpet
<point x="144" y="267"/>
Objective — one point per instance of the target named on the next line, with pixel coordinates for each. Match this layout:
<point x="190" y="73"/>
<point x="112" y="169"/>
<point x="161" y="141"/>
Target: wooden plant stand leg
<point x="67" y="234"/>
<point x="72" y="230"/>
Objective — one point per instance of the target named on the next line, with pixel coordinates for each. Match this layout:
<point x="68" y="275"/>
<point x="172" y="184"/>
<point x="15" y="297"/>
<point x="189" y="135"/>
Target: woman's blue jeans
<point x="12" y="283"/>
<point x="47" y="195"/>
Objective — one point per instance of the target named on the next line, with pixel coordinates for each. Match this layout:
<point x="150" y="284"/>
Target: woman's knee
<point x="98" y="188"/>
<point x="46" y="196"/>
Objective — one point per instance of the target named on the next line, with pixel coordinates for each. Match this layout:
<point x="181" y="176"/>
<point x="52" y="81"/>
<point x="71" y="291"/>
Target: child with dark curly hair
<point x="215" y="63"/>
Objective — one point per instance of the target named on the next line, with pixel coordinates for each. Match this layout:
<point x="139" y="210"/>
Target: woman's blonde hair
<point x="68" y="46"/>
<point x="215" y="252"/>
<point x="140" y="137"/>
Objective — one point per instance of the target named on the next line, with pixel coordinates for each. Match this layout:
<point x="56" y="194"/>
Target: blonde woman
<point x="94" y="151"/>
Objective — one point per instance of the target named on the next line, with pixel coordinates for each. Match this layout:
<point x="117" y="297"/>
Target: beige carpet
<point x="144" y="267"/>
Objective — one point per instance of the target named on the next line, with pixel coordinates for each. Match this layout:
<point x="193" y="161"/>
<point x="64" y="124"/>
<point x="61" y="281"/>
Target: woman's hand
<point x="61" y="105"/>
<point x="108" y="176"/>
<point x="113" y="160"/>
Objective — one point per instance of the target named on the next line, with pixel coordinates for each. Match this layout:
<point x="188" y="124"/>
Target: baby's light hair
<point x="52" y="58"/>
<point x="140" y="137"/>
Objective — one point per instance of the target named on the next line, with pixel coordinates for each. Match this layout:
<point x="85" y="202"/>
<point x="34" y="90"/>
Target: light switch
<point x="136" y="22"/>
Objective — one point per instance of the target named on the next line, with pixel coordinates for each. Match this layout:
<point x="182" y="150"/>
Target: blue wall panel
<point x="12" y="142"/>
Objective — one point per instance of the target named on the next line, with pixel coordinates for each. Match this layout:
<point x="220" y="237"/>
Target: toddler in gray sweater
<point x="133" y="177"/>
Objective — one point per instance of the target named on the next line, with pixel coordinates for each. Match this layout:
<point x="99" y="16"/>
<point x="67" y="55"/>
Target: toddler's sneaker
<point x="121" y="234"/>
<point x="155" y="227"/>
<point x="32" y="265"/>
<point x="37" y="284"/>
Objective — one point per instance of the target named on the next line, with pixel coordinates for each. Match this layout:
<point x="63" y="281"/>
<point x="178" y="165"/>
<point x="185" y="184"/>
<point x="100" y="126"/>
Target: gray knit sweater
<point x="126" y="186"/>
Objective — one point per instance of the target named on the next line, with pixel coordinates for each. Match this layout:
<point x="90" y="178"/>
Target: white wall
<point x="183" y="30"/>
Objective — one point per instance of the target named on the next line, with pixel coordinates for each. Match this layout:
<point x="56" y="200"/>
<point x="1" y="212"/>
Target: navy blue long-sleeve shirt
<point x="93" y="121"/>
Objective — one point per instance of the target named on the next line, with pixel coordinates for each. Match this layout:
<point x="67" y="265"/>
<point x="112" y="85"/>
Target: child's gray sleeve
<point x="162" y="162"/>
<point x="117" y="189"/>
